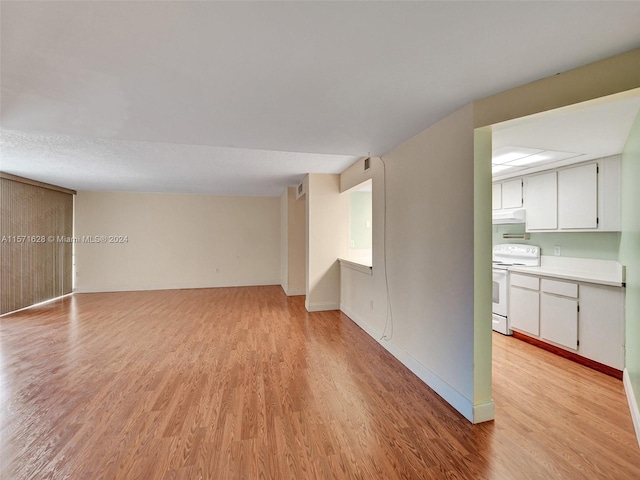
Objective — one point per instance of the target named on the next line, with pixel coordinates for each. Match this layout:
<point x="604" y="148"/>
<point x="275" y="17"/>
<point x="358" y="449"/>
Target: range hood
<point x="501" y="217"/>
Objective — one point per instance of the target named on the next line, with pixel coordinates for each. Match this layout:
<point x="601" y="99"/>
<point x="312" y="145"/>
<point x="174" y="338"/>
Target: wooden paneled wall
<point x="36" y="222"/>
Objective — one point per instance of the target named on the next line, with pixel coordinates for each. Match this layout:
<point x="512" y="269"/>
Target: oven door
<point x="500" y="292"/>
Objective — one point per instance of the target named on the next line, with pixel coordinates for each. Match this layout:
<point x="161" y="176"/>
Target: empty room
<point x="319" y="240"/>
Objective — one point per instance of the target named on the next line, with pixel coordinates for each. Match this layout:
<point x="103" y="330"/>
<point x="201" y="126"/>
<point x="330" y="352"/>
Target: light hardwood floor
<point x="243" y="383"/>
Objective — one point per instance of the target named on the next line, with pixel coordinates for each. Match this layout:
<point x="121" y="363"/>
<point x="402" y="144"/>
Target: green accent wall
<point x="630" y="251"/>
<point x="360" y="219"/>
<point x="599" y="245"/>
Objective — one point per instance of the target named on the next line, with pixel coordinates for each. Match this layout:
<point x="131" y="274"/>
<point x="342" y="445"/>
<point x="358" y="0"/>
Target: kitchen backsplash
<point x="599" y="245"/>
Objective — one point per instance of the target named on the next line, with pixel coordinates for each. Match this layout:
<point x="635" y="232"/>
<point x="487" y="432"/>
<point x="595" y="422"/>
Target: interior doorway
<point x="557" y="141"/>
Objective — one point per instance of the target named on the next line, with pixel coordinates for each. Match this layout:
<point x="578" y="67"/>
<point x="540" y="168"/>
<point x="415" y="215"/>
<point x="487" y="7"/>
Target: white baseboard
<point x="473" y="413"/>
<point x="172" y="286"/>
<point x="322" y="306"/>
<point x="484" y="412"/>
<point x="633" y="403"/>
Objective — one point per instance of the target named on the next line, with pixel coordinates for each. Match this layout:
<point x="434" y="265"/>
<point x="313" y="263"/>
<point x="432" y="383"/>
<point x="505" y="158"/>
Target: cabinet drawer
<point x="524" y="281"/>
<point x="565" y="289"/>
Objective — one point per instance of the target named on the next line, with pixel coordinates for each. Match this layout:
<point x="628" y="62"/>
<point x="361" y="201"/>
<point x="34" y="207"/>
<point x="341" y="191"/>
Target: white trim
<point x="633" y="403"/>
<point x="484" y="412"/>
<point x="173" y="286"/>
<point x="322" y="306"/>
<point x="473" y="413"/>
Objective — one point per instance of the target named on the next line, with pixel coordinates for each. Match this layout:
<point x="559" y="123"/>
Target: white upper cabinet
<point x="542" y="201"/>
<point x="578" y="197"/>
<point x="496" y="196"/>
<point x="609" y="199"/>
<point x="512" y="194"/>
<point x="584" y="197"/>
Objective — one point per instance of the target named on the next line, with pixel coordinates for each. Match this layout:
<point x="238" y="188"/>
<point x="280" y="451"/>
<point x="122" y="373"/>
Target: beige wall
<point x="438" y="197"/>
<point x="292" y="254"/>
<point x="356" y="174"/>
<point x="606" y="77"/>
<point x="430" y="252"/>
<point x="176" y="241"/>
<point x="363" y="297"/>
<point x="429" y="260"/>
<point x="327" y="239"/>
<point x="284" y="240"/>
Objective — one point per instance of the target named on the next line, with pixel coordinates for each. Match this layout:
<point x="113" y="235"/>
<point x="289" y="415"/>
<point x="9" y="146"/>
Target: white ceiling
<point x="593" y="130"/>
<point x="204" y="97"/>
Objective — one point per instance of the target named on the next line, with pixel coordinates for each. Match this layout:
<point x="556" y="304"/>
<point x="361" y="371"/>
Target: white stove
<point x="504" y="256"/>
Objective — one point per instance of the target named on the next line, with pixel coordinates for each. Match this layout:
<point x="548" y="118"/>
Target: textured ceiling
<point x="123" y="165"/>
<point x="203" y="97"/>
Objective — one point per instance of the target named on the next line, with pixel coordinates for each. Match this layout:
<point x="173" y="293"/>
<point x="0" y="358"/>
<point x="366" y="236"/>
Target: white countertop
<point x="359" y="265"/>
<point x="604" y="272"/>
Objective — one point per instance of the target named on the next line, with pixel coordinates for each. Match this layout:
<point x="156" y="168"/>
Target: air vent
<point x="300" y="189"/>
<point x="367" y="163"/>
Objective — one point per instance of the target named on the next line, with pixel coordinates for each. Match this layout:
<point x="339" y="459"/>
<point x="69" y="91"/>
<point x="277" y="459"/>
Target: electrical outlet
<point x="371" y="304"/>
<point x="557" y="250"/>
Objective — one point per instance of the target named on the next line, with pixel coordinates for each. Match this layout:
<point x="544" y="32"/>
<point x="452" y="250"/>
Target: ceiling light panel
<point x="509" y="154"/>
<point x="504" y="169"/>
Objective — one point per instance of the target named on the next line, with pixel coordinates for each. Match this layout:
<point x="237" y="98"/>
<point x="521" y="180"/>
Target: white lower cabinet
<point x="559" y="312"/>
<point x="602" y="324"/>
<point x="585" y="318"/>
<point x="559" y="320"/>
<point x="524" y="304"/>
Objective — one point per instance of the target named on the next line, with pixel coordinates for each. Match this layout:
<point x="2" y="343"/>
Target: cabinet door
<point x="559" y="320"/>
<point x="578" y="197"/>
<point x="524" y="310"/>
<point x="609" y="197"/>
<point x="496" y="196"/>
<point x="542" y="202"/>
<point x="602" y="324"/>
<point x="512" y="194"/>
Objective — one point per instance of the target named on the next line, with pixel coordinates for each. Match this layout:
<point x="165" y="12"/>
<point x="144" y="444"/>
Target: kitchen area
<point x="556" y="202"/>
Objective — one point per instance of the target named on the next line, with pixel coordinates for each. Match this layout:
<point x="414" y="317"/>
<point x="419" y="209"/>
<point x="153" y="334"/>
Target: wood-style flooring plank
<point x="244" y="383"/>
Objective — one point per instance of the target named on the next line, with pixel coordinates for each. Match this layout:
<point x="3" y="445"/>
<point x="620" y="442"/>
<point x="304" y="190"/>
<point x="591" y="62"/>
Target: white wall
<point x="327" y="239"/>
<point x="176" y="241"/>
